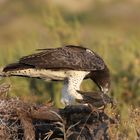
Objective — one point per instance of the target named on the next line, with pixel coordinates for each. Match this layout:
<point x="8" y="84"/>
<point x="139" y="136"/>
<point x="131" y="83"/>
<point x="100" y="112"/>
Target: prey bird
<point x="95" y="99"/>
<point x="71" y="64"/>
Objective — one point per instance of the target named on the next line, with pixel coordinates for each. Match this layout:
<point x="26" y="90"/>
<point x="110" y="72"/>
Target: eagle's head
<point x="102" y="79"/>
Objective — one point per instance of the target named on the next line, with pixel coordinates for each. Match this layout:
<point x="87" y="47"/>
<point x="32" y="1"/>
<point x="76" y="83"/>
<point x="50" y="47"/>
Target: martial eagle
<point x="70" y="63"/>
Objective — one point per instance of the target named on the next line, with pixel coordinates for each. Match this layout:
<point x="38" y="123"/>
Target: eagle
<point x="71" y="64"/>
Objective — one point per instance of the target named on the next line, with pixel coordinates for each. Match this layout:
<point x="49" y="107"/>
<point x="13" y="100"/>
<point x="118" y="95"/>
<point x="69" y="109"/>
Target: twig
<point x="27" y="125"/>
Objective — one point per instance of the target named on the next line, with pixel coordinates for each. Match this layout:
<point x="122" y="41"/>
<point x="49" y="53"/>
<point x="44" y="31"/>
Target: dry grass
<point x="23" y="120"/>
<point x="20" y="120"/>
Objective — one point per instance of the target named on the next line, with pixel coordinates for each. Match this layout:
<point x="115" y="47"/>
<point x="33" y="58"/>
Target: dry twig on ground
<point x="21" y="120"/>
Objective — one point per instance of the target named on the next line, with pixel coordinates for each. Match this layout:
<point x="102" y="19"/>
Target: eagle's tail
<point x="14" y="69"/>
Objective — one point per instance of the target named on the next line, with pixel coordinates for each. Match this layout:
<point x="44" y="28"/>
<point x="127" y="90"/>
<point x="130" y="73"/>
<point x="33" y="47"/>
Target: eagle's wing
<point x="68" y="57"/>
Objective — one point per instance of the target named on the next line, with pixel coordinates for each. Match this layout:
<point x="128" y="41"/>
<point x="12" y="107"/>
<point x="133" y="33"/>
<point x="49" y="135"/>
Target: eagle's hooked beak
<point x="104" y="90"/>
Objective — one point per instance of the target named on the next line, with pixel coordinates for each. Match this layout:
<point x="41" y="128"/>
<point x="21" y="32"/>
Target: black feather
<point x="16" y="66"/>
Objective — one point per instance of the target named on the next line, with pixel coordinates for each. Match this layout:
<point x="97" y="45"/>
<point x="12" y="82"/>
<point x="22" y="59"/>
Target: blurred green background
<point x="109" y="27"/>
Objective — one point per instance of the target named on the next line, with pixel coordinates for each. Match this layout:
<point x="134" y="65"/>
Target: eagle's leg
<point x="71" y="85"/>
<point x="69" y="94"/>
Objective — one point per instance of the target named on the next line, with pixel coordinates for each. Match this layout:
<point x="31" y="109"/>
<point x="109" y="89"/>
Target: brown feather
<point x="16" y="66"/>
<point x="96" y="99"/>
<point x="69" y="57"/>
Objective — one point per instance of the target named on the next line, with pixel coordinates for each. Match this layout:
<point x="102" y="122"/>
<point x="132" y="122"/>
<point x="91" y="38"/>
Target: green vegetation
<point x="28" y="25"/>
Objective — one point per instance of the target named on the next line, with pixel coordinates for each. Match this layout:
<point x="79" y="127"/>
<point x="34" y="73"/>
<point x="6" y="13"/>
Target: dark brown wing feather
<point x="69" y="57"/>
<point x="16" y="66"/>
<point x="96" y="98"/>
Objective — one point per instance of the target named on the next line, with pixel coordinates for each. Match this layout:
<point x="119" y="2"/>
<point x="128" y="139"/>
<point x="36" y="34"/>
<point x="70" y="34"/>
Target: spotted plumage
<point x="70" y="63"/>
